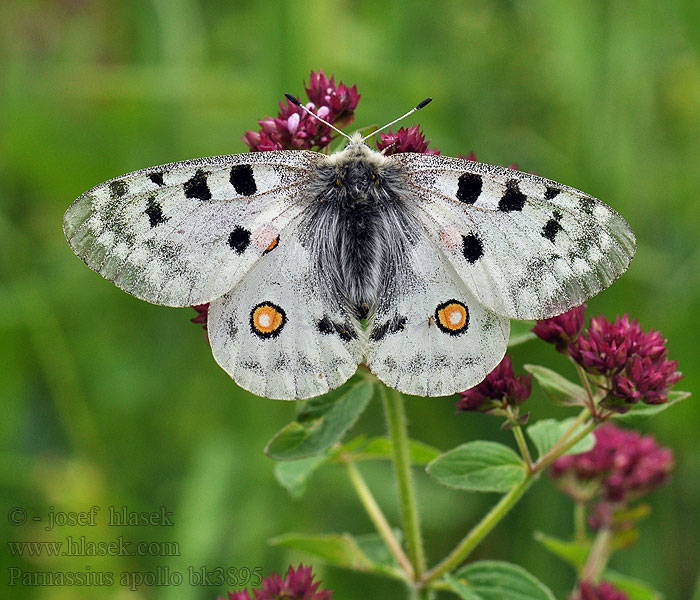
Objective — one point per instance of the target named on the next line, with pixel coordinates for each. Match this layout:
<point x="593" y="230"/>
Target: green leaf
<point x="495" y="580"/>
<point x="478" y="466"/>
<point x="558" y="388"/>
<point x="380" y="448"/>
<point x="547" y="432"/>
<point x="334" y="548"/>
<point x="571" y="552"/>
<point x="294" y="474"/>
<point x="641" y="411"/>
<point x="366" y="553"/>
<point x="636" y="589"/>
<point x="321" y="422"/>
<point x="520" y="332"/>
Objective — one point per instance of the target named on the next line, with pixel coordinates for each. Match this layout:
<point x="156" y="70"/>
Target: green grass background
<point x="107" y="400"/>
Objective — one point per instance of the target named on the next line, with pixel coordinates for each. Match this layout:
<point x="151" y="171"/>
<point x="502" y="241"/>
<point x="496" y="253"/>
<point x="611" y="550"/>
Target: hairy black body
<point x="359" y="230"/>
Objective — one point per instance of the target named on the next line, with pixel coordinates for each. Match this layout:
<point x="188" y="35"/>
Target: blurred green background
<point x="107" y="400"/>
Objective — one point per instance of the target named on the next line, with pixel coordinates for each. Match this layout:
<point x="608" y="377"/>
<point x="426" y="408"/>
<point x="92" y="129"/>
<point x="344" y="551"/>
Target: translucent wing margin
<point x="184" y="233"/>
<point x="527" y="247"/>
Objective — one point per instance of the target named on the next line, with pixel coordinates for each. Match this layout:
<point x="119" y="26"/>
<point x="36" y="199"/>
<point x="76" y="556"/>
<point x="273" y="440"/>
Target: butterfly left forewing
<point x="278" y="333"/>
<point x="433" y="338"/>
<point x="527" y="247"/>
<point x="184" y="233"/>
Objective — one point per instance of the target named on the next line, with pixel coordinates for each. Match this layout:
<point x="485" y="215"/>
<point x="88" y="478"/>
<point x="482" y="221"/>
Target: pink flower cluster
<point x="295" y="129"/>
<point x="633" y="362"/>
<point x="602" y="591"/>
<point x="500" y="387"/>
<point x="406" y="139"/>
<point x="298" y="584"/>
<point x="624" y="464"/>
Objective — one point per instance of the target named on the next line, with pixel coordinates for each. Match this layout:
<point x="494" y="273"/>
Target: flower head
<point x="562" y="329"/>
<point x="409" y="139"/>
<point x="297" y="584"/>
<point x="623" y="465"/>
<point x="500" y="387"/>
<point x="602" y="591"/>
<point x="295" y="129"/>
<point x="634" y="361"/>
<point x="339" y="100"/>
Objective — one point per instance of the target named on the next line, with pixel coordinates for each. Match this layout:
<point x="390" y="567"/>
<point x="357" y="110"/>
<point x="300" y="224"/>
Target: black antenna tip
<point x="293" y="99"/>
<point x="424" y="103"/>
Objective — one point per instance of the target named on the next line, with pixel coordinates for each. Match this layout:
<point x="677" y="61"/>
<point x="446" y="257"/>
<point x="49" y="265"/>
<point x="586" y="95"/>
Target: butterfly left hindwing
<point x="278" y="334"/>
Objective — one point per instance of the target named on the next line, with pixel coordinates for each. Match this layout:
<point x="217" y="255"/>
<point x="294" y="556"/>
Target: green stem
<point x="522" y="445"/>
<point x="580" y="522"/>
<point x="586" y="384"/>
<point x="598" y="556"/>
<point x="396" y="423"/>
<point x="481" y="530"/>
<point x="558" y="449"/>
<point x="378" y="519"/>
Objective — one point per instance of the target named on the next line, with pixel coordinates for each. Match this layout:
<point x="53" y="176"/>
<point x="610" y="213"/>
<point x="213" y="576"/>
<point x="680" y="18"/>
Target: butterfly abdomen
<point x="358" y="229"/>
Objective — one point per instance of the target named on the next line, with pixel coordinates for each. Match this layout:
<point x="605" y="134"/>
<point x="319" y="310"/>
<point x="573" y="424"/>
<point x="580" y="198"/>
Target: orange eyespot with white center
<point x="267" y="320"/>
<point x="452" y="317"/>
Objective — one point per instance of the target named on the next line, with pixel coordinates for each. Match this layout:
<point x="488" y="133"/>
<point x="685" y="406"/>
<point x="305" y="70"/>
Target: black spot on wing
<point x="397" y="323"/>
<point x="551" y="192"/>
<point x="154" y="211"/>
<point x="117" y="189"/>
<point x="472" y="248"/>
<point x="550" y="229"/>
<point x="344" y="331"/>
<point x="197" y="187"/>
<point x="239" y="239"/>
<point x="513" y="199"/>
<point x="242" y="180"/>
<point x="156" y="178"/>
<point x="468" y="187"/>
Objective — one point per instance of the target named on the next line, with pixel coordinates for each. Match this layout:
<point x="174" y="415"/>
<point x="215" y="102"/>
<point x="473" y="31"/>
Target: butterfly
<point x="413" y="264"/>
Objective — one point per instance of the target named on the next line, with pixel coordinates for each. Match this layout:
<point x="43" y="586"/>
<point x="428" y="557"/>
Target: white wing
<point x="278" y="334"/>
<point x="527" y="247"/>
<point x="434" y="338"/>
<point x="184" y="233"/>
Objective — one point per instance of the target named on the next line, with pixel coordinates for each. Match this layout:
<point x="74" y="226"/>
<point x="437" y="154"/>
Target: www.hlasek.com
<point x="158" y="577"/>
<point x="81" y="546"/>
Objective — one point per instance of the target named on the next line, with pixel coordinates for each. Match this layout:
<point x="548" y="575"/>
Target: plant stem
<point x="579" y="521"/>
<point x="586" y="384"/>
<point x="522" y="445"/>
<point x="481" y="530"/>
<point x="378" y="519"/>
<point x="396" y="423"/>
<point x="559" y="448"/>
<point x="598" y="556"/>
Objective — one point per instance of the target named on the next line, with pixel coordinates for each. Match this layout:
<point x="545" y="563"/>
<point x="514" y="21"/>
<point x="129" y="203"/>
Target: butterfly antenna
<point x="410" y="112"/>
<point x="294" y="100"/>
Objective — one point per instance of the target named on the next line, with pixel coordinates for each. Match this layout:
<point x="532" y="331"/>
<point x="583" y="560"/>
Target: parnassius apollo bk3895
<point x="314" y="263"/>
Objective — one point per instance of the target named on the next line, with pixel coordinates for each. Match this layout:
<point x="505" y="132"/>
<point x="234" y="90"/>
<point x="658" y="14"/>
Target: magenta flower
<point x="298" y="584"/>
<point x="562" y="329"/>
<point x="635" y="362"/>
<point x="409" y="139"/>
<point x="294" y="129"/>
<point x="624" y="464"/>
<point x="602" y="591"/>
<point x="500" y="388"/>
<point x="340" y="100"/>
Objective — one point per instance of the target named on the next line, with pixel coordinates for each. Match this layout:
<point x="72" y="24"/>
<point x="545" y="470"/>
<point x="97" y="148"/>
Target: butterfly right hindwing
<point x="434" y="338"/>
